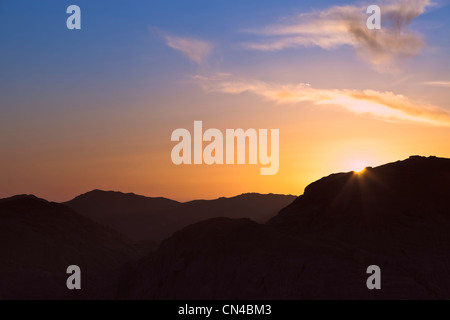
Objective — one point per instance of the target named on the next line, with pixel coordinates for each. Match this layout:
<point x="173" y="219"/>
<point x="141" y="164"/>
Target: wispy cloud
<point x="196" y="50"/>
<point x="439" y="83"/>
<point x="346" y="25"/>
<point x="386" y="106"/>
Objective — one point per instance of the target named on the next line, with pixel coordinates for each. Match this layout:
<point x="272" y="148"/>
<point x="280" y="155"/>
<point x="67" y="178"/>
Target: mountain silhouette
<point x="39" y="240"/>
<point x="377" y="208"/>
<point x="396" y="216"/>
<point x="154" y="219"/>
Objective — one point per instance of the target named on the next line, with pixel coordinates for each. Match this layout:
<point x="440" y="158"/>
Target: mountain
<point x="145" y="219"/>
<point x="40" y="239"/>
<point x="396" y="216"/>
<point x="377" y="208"/>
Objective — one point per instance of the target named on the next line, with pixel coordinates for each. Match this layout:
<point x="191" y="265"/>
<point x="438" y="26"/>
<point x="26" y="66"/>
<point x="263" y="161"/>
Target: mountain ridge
<point x="40" y="239"/>
<point x="132" y="194"/>
<point x="154" y="219"/>
<point x="396" y="216"/>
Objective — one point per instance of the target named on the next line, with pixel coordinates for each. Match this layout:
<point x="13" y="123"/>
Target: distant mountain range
<point x="40" y="239"/>
<point x="154" y="219"/>
<point x="396" y="216"/>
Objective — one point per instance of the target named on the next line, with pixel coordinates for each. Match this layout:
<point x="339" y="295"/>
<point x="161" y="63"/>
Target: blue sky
<point x="40" y="55"/>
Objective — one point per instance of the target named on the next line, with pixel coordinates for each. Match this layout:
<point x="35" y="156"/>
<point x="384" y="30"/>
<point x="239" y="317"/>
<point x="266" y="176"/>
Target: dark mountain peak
<point x="254" y="195"/>
<point x="24" y="204"/>
<point x="101" y="195"/>
<point x="23" y="198"/>
<point x="418" y="162"/>
<point x="378" y="200"/>
<point x="110" y="202"/>
<point x="41" y="239"/>
<point x="416" y="171"/>
<point x="143" y="218"/>
<point x="249" y="195"/>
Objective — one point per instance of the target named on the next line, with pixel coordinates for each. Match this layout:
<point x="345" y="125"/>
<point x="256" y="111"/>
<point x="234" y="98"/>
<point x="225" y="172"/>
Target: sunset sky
<point x="95" y="108"/>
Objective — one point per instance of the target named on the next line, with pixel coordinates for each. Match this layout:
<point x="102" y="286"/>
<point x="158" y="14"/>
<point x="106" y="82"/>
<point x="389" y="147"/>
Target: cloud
<point x="386" y="106"/>
<point x="439" y="83"/>
<point x="214" y="77"/>
<point x="346" y="25"/>
<point x="196" y="50"/>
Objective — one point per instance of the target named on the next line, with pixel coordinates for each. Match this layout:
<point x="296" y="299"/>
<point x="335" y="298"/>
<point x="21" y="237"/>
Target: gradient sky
<point x="95" y="108"/>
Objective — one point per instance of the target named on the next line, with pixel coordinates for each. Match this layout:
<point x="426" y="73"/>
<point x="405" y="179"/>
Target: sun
<point x="358" y="166"/>
<point x="360" y="171"/>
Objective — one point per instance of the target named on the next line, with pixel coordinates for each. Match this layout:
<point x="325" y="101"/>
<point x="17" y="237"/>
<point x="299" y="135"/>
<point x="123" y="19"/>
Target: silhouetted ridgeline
<point x="392" y="205"/>
<point x="143" y="218"/>
<point x="396" y="216"/>
<point x="40" y="239"/>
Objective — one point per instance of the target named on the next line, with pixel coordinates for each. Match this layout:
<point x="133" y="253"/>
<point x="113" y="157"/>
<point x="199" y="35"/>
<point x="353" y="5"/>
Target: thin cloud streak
<point x="439" y="83"/>
<point x="346" y="25"/>
<point x="386" y="106"/>
<point x="196" y="50"/>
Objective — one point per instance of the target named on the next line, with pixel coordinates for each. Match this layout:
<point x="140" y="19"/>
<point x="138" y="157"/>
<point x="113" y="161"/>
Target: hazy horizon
<point x="205" y="199"/>
<point x="151" y="196"/>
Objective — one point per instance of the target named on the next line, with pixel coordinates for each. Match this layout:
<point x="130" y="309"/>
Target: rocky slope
<point x="395" y="216"/>
<point x="39" y="240"/>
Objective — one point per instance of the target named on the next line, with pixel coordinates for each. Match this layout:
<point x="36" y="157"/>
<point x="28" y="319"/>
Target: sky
<point x="95" y="108"/>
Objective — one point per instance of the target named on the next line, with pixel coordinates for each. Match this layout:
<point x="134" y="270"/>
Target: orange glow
<point x="359" y="165"/>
